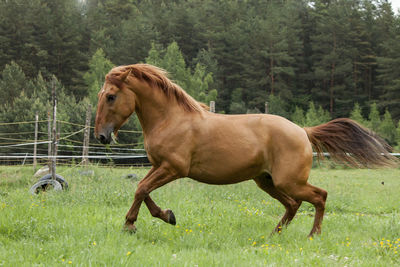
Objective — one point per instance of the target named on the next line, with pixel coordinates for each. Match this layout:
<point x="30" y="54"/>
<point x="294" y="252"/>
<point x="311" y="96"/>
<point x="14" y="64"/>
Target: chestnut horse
<point x="182" y="139"/>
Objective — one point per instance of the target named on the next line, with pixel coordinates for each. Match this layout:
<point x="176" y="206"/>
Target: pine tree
<point x="237" y="105"/>
<point x="227" y="40"/>
<point x="312" y="118"/>
<point x="21" y="109"/>
<point x="387" y="128"/>
<point x="99" y="66"/>
<point x="333" y="55"/>
<point x="196" y="83"/>
<point x="298" y="116"/>
<point x="277" y="106"/>
<point x="274" y="52"/>
<point x="398" y="135"/>
<point x="316" y="116"/>
<point x="173" y="62"/>
<point x="155" y="55"/>
<point x="389" y="73"/>
<point x="199" y="85"/>
<point x="13" y="82"/>
<point x="65" y="43"/>
<point x="323" y="115"/>
<point x="356" y="114"/>
<point x="374" y="118"/>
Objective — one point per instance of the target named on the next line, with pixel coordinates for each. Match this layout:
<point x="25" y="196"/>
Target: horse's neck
<point x="153" y="112"/>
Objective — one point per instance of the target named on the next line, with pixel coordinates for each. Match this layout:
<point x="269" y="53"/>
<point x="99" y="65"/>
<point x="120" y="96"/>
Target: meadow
<point x="216" y="225"/>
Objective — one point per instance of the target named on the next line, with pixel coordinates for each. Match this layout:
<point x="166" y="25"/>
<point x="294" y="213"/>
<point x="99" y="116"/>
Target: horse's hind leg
<point x="165" y="215"/>
<point x="291" y="205"/>
<point x="309" y="193"/>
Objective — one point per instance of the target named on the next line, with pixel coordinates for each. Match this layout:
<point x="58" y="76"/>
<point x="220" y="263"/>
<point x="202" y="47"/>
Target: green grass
<point x="216" y="225"/>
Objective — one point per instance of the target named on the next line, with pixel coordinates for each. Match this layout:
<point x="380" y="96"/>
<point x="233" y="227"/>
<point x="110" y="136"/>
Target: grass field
<point x="216" y="225"/>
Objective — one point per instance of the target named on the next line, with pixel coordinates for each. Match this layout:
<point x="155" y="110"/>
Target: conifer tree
<point x="196" y="83"/>
<point x="374" y="118"/>
<point x="356" y="114"/>
<point x="99" y="66"/>
<point x="312" y="116"/>
<point x="332" y="56"/>
<point x="298" y="116"/>
<point x="323" y="115"/>
<point x="398" y="135"/>
<point x="387" y="128"/>
<point x="237" y="104"/>
<point x="13" y="82"/>
<point x="316" y="116"/>
<point x="389" y="73"/>
<point x="277" y="106"/>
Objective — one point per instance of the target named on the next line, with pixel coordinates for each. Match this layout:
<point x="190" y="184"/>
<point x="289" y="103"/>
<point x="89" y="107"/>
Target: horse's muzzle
<point x="104" y="135"/>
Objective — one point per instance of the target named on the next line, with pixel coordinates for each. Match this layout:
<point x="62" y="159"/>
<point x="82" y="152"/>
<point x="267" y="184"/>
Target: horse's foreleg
<point x="165" y="215"/>
<point x="291" y="205"/>
<point x="154" y="179"/>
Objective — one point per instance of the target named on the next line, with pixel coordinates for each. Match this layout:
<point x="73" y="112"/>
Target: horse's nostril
<point x="102" y="138"/>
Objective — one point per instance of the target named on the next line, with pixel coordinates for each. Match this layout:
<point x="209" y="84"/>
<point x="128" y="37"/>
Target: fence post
<point x="54" y="133"/>
<point x="35" y="142"/>
<point x="86" y="138"/>
<point x="212" y="106"/>
<point x="49" y="135"/>
<point x="266" y="107"/>
<point x="58" y="138"/>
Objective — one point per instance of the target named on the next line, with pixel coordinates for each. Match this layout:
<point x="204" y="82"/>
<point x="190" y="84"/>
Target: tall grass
<point x="216" y="225"/>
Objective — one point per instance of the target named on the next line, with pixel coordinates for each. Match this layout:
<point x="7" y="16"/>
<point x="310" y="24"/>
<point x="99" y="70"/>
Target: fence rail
<point x="21" y="151"/>
<point x="28" y="147"/>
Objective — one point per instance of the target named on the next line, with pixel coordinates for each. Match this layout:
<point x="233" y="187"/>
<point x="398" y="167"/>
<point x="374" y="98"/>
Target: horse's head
<point x="115" y="104"/>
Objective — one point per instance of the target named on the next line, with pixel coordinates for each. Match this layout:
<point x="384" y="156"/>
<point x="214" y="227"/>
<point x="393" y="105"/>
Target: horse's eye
<point x="111" y="98"/>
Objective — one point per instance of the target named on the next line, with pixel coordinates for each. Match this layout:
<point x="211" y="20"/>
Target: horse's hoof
<point x="313" y="233"/>
<point x="130" y="228"/>
<point x="171" y="217"/>
<point x="277" y="230"/>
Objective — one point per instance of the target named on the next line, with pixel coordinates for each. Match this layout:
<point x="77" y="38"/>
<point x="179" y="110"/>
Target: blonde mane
<point x="157" y="78"/>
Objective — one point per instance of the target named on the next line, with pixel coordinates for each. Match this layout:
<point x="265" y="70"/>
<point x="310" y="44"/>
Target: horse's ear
<point x="124" y="75"/>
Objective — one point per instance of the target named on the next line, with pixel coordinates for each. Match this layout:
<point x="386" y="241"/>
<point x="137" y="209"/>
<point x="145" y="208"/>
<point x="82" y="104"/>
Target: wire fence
<point x="17" y="148"/>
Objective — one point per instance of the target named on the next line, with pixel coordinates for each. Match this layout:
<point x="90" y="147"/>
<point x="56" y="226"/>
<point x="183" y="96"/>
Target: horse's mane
<point x="157" y="78"/>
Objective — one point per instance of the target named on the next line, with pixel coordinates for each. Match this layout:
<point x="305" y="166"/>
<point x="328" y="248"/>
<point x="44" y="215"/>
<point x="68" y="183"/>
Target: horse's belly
<point x="228" y="169"/>
<point x="211" y="178"/>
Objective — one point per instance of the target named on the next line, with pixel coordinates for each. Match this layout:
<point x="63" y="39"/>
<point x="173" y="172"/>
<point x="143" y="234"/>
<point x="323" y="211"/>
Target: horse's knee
<point x="291" y="204"/>
<point x="141" y="192"/>
<point x="296" y="205"/>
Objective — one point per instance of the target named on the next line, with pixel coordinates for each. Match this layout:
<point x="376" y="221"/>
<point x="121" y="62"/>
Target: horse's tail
<point x="349" y="143"/>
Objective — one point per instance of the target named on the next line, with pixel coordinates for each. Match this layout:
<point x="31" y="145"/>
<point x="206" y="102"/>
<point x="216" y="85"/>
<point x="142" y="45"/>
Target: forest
<point x="312" y="61"/>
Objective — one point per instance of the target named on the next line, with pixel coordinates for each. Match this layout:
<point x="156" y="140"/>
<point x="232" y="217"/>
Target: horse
<point x="183" y="139"/>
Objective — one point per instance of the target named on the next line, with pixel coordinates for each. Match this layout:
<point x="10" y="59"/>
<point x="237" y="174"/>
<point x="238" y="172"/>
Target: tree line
<point x="334" y="58"/>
